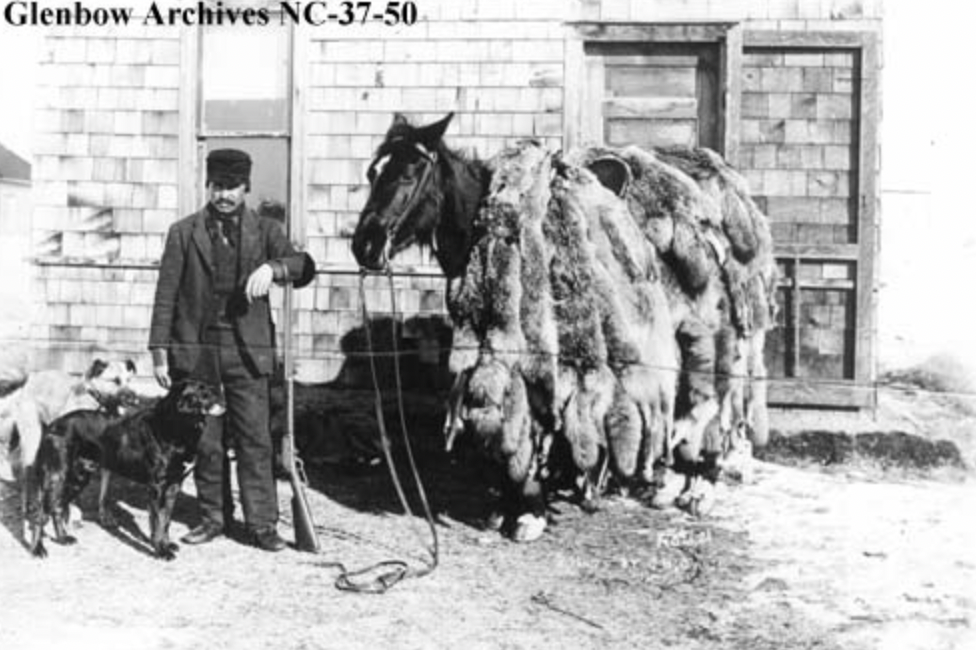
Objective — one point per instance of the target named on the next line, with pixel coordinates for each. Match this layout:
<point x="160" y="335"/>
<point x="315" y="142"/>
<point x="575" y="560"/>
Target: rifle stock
<point x="301" y="513"/>
<point x="305" y="537"/>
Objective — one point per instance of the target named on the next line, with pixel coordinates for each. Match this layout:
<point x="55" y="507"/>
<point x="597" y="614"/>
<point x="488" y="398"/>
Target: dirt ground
<point x="862" y="549"/>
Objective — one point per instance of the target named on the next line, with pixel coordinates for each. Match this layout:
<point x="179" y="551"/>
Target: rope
<point x="380" y="577"/>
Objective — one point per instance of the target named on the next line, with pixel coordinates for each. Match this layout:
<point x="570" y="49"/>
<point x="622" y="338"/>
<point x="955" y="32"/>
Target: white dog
<point x="47" y="395"/>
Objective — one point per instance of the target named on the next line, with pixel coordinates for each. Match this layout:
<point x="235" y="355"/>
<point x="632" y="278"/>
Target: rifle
<point x="301" y="514"/>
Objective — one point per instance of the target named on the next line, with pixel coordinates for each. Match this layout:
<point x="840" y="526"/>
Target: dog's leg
<point x="61" y="533"/>
<point x="35" y="513"/>
<point x="105" y="516"/>
<point x="55" y="489"/>
<point x="79" y="475"/>
<point x="166" y="515"/>
<point x="158" y="521"/>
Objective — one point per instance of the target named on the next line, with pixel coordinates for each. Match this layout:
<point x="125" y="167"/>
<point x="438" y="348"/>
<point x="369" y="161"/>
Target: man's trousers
<point x="245" y="428"/>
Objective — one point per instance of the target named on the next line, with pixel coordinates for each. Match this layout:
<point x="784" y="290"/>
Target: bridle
<point x="431" y="158"/>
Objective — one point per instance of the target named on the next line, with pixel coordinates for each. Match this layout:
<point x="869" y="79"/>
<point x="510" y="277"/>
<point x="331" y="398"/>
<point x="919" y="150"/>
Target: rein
<point x="392" y="571"/>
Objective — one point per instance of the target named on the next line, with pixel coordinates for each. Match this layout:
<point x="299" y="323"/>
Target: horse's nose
<point x="368" y="243"/>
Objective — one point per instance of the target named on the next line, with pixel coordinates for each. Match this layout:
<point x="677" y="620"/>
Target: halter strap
<point x="431" y="158"/>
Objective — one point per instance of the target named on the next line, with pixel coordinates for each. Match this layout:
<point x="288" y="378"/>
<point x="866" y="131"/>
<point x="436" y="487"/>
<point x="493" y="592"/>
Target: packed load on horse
<point x="609" y="310"/>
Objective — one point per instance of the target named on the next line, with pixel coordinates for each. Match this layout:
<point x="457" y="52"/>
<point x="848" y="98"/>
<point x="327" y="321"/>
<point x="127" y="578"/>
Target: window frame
<point x="193" y="137"/>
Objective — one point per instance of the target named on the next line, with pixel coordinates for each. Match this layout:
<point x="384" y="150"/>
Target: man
<point x="212" y="321"/>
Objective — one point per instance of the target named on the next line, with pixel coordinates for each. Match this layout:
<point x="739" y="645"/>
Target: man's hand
<point x="162" y="375"/>
<point x="259" y="283"/>
<point x="161" y="368"/>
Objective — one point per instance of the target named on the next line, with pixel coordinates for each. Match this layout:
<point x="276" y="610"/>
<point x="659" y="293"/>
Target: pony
<point x="424" y="193"/>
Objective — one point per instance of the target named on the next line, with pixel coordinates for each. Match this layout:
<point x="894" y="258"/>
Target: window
<point x="244" y="103"/>
<point x="654" y="95"/>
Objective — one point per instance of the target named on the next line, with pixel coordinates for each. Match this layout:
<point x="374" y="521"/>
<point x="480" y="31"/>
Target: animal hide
<point x="750" y="271"/>
<point x="577" y="298"/>
<point x="502" y="309"/>
<point x="634" y="394"/>
<point x="669" y="208"/>
<point x="586" y="384"/>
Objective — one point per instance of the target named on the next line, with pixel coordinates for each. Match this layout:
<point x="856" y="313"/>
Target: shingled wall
<point x="105" y="188"/>
<point x="107" y="164"/>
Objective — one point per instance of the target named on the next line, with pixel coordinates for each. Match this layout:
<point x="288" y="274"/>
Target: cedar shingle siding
<point x="109" y="177"/>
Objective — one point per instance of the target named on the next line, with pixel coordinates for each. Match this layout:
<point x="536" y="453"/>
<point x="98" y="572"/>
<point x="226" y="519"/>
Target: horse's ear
<point x="613" y="173"/>
<point x="432" y="134"/>
<point x="399" y="123"/>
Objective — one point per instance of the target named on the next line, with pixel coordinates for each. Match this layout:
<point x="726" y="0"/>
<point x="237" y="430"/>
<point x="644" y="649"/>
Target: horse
<point x="421" y="192"/>
<point x="424" y="193"/>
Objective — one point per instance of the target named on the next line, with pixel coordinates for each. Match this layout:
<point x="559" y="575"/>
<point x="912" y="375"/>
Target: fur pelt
<point x="576" y="347"/>
<point x="503" y="316"/>
<point x="634" y="395"/>
<point x="582" y="299"/>
<point x="730" y="324"/>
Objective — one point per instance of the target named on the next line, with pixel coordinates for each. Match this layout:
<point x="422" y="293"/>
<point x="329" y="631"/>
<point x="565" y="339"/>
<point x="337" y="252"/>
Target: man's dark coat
<point x="185" y="291"/>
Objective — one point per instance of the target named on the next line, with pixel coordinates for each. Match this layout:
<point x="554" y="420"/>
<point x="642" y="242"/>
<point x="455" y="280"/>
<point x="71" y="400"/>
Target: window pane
<point x="245" y="79"/>
<point x="269" y="169"/>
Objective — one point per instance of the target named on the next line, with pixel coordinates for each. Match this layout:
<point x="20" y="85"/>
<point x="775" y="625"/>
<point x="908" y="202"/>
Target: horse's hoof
<point x="528" y="528"/>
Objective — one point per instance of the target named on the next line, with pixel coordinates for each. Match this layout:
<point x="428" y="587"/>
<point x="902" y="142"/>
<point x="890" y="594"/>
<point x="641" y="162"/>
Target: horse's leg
<point x="35" y="512"/>
<point x="526" y="492"/>
<point x="452" y="421"/>
<point x="29" y="431"/>
<point x="595" y="483"/>
<point x="105" y="516"/>
<point x="625" y="428"/>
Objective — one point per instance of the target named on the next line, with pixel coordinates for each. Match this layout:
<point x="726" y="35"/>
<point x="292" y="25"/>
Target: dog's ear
<point x="97" y="368"/>
<point x="130" y="365"/>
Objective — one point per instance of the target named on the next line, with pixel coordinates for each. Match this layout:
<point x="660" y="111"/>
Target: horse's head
<point x="405" y="192"/>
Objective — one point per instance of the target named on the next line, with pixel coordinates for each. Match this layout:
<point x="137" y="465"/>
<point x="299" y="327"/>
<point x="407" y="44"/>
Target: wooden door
<point x="652" y="94"/>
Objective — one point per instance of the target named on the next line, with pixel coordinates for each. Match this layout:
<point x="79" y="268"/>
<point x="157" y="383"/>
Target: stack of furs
<point x="717" y="246"/>
<point x="607" y="293"/>
<point x="505" y="350"/>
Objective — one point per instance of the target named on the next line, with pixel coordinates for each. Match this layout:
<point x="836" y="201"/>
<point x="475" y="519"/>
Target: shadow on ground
<point x="888" y="450"/>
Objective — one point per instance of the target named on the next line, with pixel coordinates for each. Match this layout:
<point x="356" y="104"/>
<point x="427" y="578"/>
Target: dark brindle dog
<point x="153" y="446"/>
